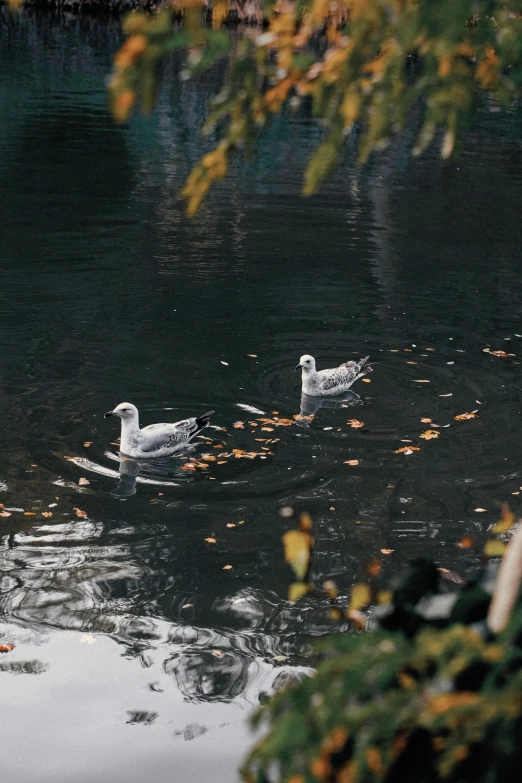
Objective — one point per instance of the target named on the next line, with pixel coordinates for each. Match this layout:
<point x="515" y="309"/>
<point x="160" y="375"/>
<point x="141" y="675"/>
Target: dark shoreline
<point x="241" y="11"/>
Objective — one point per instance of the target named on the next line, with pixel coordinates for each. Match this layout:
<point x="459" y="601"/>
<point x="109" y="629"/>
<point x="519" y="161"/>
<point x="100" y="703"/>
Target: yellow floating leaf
<point x="466" y="543"/>
<point x="359" y="597"/>
<point x="480" y="510"/>
<point x="80" y="513"/>
<point x="420" y="381"/>
<point x="227" y="568"/>
<point x="465" y="416"/>
<point x="210" y="540"/>
<point x="239" y="425"/>
<point x="351" y="462"/>
<point x="355" y="423"/>
<point x="83" y="482"/>
<point x="426" y="421"/>
<point x="366" y="380"/>
<point x="384" y="597"/>
<point x="429" y="434"/>
<point x="87" y="444"/>
<point x="47" y="513"/>
<point x="387" y="551"/>
<point x="407" y="450"/>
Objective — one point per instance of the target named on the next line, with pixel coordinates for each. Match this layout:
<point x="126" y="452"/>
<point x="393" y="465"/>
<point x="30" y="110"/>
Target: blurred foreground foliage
<point x="432" y="694"/>
<point x="360" y="66"/>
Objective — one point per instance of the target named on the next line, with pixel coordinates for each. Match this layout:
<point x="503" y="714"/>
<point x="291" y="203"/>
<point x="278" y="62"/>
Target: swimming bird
<point x="326" y="383"/>
<point x="156" y="440"/>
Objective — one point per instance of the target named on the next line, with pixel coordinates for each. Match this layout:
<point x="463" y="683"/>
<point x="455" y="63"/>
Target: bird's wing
<point x="338" y="376"/>
<point x="165" y="436"/>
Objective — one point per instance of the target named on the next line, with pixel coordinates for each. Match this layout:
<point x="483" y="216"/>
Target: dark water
<point x="136" y="653"/>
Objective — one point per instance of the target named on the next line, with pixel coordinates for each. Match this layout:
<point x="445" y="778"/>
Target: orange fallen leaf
<point x="83" y="482"/>
<point x="407" y="450"/>
<point x="426" y="421"/>
<point x="351" y="462"/>
<point x="218" y="653"/>
<point x="239" y="425"/>
<point x="6" y="647"/>
<point x="420" y="381"/>
<point x="267" y="429"/>
<point x="274" y="413"/>
<point x="221" y="462"/>
<point x="480" y="510"/>
<point x="429" y="434"/>
<point x="230" y="524"/>
<point x="227" y="568"/>
<point x="29" y="513"/>
<point x="355" y="423"/>
<point x="87" y="443"/>
<point x="47" y="513"/>
<point x="411" y="362"/>
<point x="252" y="355"/>
<point x="498" y="353"/>
<point x="210" y="540"/>
<point x="188" y="466"/>
<point x="80" y="513"/>
<point x="5" y="513"/>
<point x="466" y="543"/>
<point x="387" y="551"/>
<point x="366" y="380"/>
<point x="465" y="416"/>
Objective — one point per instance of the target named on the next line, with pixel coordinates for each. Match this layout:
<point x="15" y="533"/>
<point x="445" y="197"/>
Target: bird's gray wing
<point x="165" y="436"/>
<point x="338" y="376"/>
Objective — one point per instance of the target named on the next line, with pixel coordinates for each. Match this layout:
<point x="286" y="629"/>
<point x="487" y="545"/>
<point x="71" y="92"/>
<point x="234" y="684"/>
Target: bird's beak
<point x="109" y="413"/>
<point x="298" y="366"/>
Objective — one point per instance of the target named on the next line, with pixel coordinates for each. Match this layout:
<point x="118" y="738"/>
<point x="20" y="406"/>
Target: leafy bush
<point x="431" y="695"/>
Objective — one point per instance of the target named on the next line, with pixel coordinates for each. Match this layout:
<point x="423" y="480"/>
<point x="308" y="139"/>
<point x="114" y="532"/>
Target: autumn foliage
<point x="362" y="67"/>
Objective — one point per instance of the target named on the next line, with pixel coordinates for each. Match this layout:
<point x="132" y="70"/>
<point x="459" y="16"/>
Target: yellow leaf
<point x="507" y="520"/>
<point x="83" y="482"/>
<point x="297" y="590"/>
<point x="429" y="434"/>
<point x="227" y="568"/>
<point x="384" y="597"/>
<point x="355" y="423"/>
<point x="420" y="381"/>
<point x="373" y="759"/>
<point x="298" y="548"/>
<point x="351" y="462"/>
<point x="359" y="597"/>
<point x="464" y="416"/>
<point x="366" y="380"/>
<point x="494" y="548"/>
<point x="210" y="540"/>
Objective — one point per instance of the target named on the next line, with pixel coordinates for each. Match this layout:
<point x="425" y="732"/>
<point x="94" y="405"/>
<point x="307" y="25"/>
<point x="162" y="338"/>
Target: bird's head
<point x="306" y="363"/>
<point x="125" y="410"/>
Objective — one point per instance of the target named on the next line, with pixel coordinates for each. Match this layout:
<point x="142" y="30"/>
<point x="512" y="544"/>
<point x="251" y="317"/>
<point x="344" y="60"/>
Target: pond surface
<point x="137" y="652"/>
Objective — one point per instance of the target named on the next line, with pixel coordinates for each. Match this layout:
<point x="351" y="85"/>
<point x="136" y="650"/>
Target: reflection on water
<point x="310" y="405"/>
<point x="150" y="601"/>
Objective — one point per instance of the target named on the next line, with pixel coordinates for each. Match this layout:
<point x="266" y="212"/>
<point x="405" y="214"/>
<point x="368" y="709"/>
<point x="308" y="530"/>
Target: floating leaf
<point x="87" y="444"/>
<point x="351" y="462"/>
<point x="426" y="421"/>
<point x="466" y="543"/>
<point x="387" y="551"/>
<point x="446" y="395"/>
<point x="80" y="513"/>
<point x="465" y="416"/>
<point x="225" y="363"/>
<point x="5" y="513"/>
<point x="420" y="381"/>
<point x="366" y="380"/>
<point x="407" y="450"/>
<point x="83" y="482"/>
<point x="480" y="510"/>
<point x="239" y="425"/>
<point x="227" y="568"/>
<point x="252" y="355"/>
<point x="429" y="434"/>
<point x="4" y="648"/>
<point x="355" y="423"/>
<point x="210" y="540"/>
<point x="47" y="513"/>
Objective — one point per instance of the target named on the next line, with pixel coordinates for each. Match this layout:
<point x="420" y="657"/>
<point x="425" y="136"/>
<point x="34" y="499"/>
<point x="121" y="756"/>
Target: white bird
<point x="156" y="440"/>
<point x="326" y="383"/>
